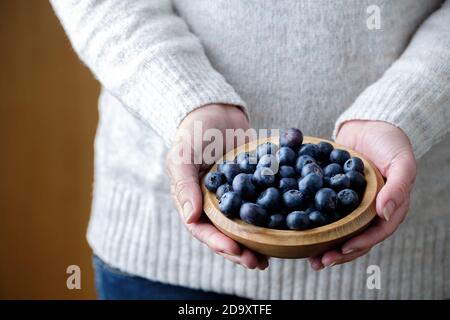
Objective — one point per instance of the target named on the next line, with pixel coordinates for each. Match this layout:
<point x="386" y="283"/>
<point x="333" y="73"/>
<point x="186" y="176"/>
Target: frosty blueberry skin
<point x="312" y="168"/>
<point x="277" y="221"/>
<point x="230" y="170"/>
<point x="295" y="199"/>
<point x="325" y="200"/>
<point x="298" y="220"/>
<point x="286" y="156"/>
<point x="221" y="190"/>
<point x="357" y="181"/>
<point x="247" y="162"/>
<point x="317" y="219"/>
<point x="253" y="214"/>
<point x="243" y="185"/>
<point x="292" y="138"/>
<point x="302" y="161"/>
<point x="309" y="149"/>
<point x="287" y="172"/>
<point x="354" y="164"/>
<point x="230" y="203"/>
<point x="325" y="149"/>
<point x="263" y="177"/>
<point x="339" y="156"/>
<point x="286" y="184"/>
<point x="213" y="180"/>
<point x="332" y="169"/>
<point x="339" y="181"/>
<point x="269" y="199"/>
<point x="310" y="184"/>
<point x="348" y="200"/>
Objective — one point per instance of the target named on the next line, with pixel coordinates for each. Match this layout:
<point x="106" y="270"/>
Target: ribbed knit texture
<point x="312" y="64"/>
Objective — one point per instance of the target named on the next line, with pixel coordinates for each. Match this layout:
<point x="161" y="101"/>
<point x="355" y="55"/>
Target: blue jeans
<point x="113" y="284"/>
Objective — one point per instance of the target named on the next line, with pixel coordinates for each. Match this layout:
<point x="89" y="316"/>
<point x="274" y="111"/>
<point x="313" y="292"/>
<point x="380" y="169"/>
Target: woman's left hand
<point x="390" y="150"/>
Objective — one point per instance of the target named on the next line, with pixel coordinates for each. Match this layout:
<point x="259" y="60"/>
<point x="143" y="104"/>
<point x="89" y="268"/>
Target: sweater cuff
<point x="410" y="102"/>
<point x="171" y="86"/>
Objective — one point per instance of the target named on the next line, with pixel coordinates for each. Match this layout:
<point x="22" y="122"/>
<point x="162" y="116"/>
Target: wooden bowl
<point x="292" y="243"/>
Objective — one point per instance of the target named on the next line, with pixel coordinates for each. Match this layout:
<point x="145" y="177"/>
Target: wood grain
<point x="289" y="243"/>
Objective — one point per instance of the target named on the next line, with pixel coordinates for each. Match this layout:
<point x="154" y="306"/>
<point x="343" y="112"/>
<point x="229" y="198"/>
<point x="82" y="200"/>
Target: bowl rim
<point x="341" y="228"/>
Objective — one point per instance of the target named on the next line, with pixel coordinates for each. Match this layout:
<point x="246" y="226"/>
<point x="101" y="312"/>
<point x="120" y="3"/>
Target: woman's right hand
<point x="185" y="174"/>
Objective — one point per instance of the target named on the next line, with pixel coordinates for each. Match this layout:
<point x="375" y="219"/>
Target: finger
<point x="335" y="257"/>
<point x="400" y="177"/>
<point x="205" y="232"/>
<point x="243" y="259"/>
<point x="316" y="263"/>
<point x="185" y="189"/>
<point x="377" y="232"/>
<point x="249" y="259"/>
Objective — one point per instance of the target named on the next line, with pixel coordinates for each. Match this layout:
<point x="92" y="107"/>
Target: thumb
<point x="185" y="189"/>
<point x="400" y="175"/>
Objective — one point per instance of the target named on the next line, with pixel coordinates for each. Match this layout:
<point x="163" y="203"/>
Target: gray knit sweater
<point x="310" y="64"/>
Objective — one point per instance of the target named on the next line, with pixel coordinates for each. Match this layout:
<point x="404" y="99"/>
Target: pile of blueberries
<point x="291" y="186"/>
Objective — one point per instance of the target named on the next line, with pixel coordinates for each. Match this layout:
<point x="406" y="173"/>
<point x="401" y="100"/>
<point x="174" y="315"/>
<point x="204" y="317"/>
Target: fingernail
<point x="331" y="264"/>
<point x="347" y="251"/>
<point x="187" y="210"/>
<point x="388" y="210"/>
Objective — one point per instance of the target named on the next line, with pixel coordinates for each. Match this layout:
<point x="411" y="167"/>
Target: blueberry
<point x="220" y="165"/>
<point x="286" y="184"/>
<point x="247" y="162"/>
<point x="263" y="177"/>
<point x="325" y="200"/>
<point x="325" y="149"/>
<point x="302" y="161"/>
<point x="230" y="203"/>
<point x="332" y="169"/>
<point x="253" y="214"/>
<point x="357" y="181"/>
<point x="213" y="180"/>
<point x="286" y="156"/>
<point x="333" y="216"/>
<point x="268" y="161"/>
<point x="266" y="148"/>
<point x="277" y="221"/>
<point x="298" y="220"/>
<point x="230" y="170"/>
<point x="295" y="199"/>
<point x="317" y="219"/>
<point x="312" y="168"/>
<point x="339" y="156"/>
<point x="339" y="181"/>
<point x="287" y="172"/>
<point x="226" y="187"/>
<point x="310" y="209"/>
<point x="269" y="199"/>
<point x="348" y="201"/>
<point x="309" y="149"/>
<point x="311" y="183"/>
<point x="243" y="185"/>
<point x="354" y="164"/>
<point x="292" y="138"/>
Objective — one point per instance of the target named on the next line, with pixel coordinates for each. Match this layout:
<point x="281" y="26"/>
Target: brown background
<point x="47" y="123"/>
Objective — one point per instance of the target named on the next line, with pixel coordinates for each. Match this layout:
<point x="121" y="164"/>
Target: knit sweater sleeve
<point x="144" y="54"/>
<point x="414" y="93"/>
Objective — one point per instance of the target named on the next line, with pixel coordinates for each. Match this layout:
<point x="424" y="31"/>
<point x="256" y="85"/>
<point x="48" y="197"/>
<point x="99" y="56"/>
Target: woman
<point x="375" y="71"/>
